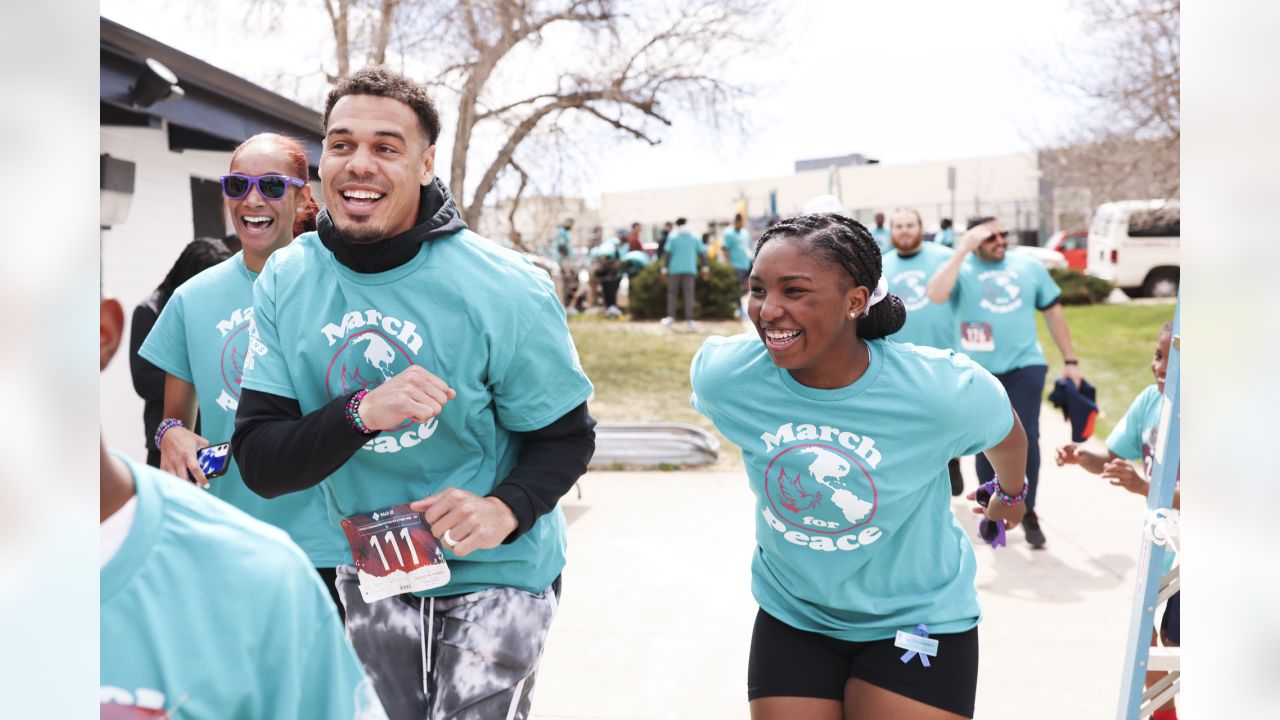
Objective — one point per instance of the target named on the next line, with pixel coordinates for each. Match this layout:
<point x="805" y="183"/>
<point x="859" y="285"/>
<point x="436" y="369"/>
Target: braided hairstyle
<point x="848" y="244"/>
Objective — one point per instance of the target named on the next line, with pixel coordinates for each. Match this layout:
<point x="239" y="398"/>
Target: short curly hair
<point x="381" y="81"/>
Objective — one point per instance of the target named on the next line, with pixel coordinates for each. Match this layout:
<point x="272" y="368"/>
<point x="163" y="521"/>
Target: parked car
<point x="1135" y="244"/>
<point x="1050" y="258"/>
<point x="1072" y="245"/>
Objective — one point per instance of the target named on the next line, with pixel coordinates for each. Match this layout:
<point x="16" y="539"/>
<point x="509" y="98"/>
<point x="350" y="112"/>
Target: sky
<point x="906" y="81"/>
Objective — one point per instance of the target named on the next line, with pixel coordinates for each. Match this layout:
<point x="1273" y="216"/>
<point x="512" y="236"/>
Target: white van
<point x="1135" y="245"/>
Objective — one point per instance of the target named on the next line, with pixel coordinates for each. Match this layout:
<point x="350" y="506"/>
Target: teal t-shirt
<point x="883" y="239"/>
<point x="208" y="611"/>
<point x="476" y="315"/>
<point x="201" y="337"/>
<point x="928" y="323"/>
<point x="684" y="250"/>
<point x="854" y="529"/>
<point x="945" y="238"/>
<point x="1134" y="437"/>
<point x="608" y="247"/>
<point x="564" y="243"/>
<point x="735" y="246"/>
<point x="997" y="311"/>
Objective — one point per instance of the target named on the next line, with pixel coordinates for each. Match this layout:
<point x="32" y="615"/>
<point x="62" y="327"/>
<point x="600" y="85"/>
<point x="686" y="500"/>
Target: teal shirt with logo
<point x="854" y="529"/>
<point x="478" y="316"/>
<point x="684" y="250"/>
<point x="735" y="245"/>
<point x="997" y="311"/>
<point x="928" y="323"/>
<point x="210" y="614"/>
<point x="946" y="238"/>
<point x="201" y="337"/>
<point x="1136" y="435"/>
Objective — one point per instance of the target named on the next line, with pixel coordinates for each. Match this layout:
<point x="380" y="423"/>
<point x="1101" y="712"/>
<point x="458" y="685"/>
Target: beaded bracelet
<point x="1008" y="499"/>
<point x="353" y="413"/>
<point x="165" y="426"/>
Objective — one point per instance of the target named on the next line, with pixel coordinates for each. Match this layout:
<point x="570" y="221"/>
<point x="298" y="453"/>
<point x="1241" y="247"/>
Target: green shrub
<point x="714" y="299"/>
<point x="1080" y="289"/>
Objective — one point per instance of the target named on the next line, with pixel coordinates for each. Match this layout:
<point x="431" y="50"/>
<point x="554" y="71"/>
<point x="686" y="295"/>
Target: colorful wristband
<point x="1005" y="497"/>
<point x="353" y="413"/>
<point x="165" y="426"/>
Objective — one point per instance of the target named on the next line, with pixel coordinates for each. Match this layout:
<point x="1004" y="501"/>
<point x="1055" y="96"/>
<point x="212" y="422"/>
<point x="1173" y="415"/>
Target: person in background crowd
<point x="662" y="239"/>
<point x="946" y="236"/>
<point x="999" y="297"/>
<point x="148" y="380"/>
<point x="565" y="258"/>
<point x="684" y="256"/>
<point x="881" y="234"/>
<point x="736" y="242"/>
<point x="633" y="238"/>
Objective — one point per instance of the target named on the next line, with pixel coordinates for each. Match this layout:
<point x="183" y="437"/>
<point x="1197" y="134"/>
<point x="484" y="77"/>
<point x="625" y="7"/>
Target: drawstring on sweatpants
<point x="428" y="633"/>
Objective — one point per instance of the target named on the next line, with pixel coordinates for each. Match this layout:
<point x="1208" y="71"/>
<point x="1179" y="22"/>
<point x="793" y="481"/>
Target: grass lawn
<point x="1115" y="344"/>
<point x="641" y="370"/>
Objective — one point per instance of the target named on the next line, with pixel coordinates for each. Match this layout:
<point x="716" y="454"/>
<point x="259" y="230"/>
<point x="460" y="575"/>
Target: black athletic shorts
<point x="786" y="662"/>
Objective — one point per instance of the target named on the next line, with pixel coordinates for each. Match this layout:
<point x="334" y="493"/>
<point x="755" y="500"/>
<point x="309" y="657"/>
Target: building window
<point x="206" y="208"/>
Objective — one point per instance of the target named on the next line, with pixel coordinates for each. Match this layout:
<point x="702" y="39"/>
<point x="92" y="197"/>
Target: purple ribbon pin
<point x="923" y="632"/>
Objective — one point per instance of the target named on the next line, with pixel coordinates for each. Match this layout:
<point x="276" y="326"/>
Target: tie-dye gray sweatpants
<point x="478" y="661"/>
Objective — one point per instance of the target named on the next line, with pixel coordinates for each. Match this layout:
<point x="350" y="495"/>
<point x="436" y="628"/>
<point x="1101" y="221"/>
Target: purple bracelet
<point x="353" y="413"/>
<point x="1005" y="497"/>
<point x="165" y="426"/>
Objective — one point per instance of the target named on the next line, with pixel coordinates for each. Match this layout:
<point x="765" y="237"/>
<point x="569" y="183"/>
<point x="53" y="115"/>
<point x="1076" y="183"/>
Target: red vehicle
<point x="1073" y="245"/>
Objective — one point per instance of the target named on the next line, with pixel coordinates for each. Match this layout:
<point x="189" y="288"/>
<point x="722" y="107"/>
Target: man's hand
<point x="706" y="272"/>
<point x="178" y="450"/>
<point x="1067" y="455"/>
<point x="663" y="270"/>
<point x="414" y="394"/>
<point x="974" y="236"/>
<point x="472" y="522"/>
<point x="1122" y="474"/>
<point x="1072" y="373"/>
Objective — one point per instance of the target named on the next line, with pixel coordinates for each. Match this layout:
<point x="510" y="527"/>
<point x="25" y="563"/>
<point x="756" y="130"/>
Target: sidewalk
<point x="657" y="609"/>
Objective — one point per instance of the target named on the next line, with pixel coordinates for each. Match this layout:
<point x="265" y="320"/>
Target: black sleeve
<point x="279" y="450"/>
<point x="148" y="380"/>
<point x="550" y="462"/>
<point x="1055" y="301"/>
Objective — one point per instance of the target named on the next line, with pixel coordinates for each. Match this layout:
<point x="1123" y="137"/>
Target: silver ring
<point x="448" y="539"/>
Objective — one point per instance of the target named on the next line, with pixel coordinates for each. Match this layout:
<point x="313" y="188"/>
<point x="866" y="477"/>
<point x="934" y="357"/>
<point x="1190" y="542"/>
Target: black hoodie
<point x="280" y="450"/>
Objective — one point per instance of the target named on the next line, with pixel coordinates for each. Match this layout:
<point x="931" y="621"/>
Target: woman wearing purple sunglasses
<point x="202" y="337"/>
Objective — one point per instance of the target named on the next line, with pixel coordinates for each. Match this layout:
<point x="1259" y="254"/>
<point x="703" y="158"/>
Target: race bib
<point x="977" y="337"/>
<point x="394" y="552"/>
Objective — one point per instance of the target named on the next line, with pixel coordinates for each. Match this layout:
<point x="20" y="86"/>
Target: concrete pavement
<point x="657" y="610"/>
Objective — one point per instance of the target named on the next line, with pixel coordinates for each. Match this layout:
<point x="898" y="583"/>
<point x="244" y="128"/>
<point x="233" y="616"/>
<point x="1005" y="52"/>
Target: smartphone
<point x="214" y="460"/>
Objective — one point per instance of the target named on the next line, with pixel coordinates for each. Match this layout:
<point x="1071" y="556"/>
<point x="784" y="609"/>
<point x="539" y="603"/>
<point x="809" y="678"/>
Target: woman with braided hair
<point x="864" y="577"/>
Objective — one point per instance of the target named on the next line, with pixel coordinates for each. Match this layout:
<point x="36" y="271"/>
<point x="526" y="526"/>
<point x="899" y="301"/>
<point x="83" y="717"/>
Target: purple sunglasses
<point x="271" y="187"/>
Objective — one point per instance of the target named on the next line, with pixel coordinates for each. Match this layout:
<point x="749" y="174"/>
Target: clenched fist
<point x="414" y="394"/>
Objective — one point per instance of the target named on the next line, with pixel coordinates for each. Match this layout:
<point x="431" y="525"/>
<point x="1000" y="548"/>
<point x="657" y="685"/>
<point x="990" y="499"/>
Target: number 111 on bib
<point x="394" y="552"/>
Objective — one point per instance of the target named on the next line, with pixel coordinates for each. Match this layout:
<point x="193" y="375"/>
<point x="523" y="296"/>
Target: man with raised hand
<point x="206" y="612"/>
<point x="999" y="295"/>
<point x="420" y="374"/>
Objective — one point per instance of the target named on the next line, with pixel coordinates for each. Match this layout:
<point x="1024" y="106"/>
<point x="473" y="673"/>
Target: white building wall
<point x="137" y="254"/>
<point x="1003" y="185"/>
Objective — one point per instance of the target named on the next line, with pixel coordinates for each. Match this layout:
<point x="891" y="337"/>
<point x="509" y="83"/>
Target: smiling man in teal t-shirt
<point x="398" y="359"/>
<point x="999" y="295"/>
<point x="908" y="269"/>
